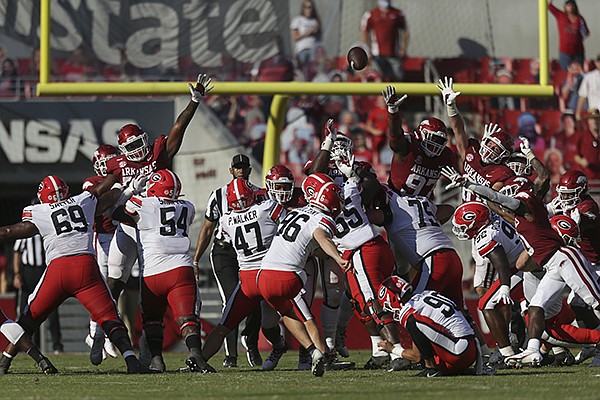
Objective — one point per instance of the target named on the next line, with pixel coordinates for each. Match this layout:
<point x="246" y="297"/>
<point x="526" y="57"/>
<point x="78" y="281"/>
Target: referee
<point x="29" y="264"/>
<point x="225" y="266"/>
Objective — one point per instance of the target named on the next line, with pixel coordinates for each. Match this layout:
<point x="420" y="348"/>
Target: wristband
<point x="530" y="156"/>
<point x="397" y="350"/>
<point x="451" y="109"/>
<point x="392" y="109"/>
<point x="327" y="143"/>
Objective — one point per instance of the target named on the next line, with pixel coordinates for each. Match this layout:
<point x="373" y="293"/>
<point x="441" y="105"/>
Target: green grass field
<point x="79" y="379"/>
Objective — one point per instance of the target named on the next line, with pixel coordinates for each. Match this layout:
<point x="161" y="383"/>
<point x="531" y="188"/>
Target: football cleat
<point x="197" y="364"/>
<point x="4" y="364"/>
<point x="110" y="349"/>
<point x="134" y="366"/>
<point x="563" y="359"/>
<point x="47" y="367"/>
<point x="157" y="365"/>
<point x="528" y="356"/>
<point x="584" y="354"/>
<point x="596" y="361"/>
<point x="318" y="363"/>
<point x="252" y="354"/>
<point x="230" y="362"/>
<point x="97" y="352"/>
<point x="332" y="363"/>
<point x="378" y="362"/>
<point x="273" y="359"/>
<point x="304" y="360"/>
<point x="145" y="355"/>
<point x="340" y="342"/>
<point x="429" y="373"/>
<point x="399" y="364"/>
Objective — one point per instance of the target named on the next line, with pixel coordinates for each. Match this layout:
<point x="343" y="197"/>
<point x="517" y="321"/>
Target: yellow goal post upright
<point x="281" y="91"/>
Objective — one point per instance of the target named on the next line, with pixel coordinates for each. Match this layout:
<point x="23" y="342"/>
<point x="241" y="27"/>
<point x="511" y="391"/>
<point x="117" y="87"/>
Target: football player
<point x="282" y="274"/>
<point x="66" y="225"/>
<point x="104" y="230"/>
<point x="442" y="338"/>
<point x="142" y="158"/>
<point x="22" y="341"/>
<point x="564" y="265"/>
<point x="496" y="244"/>
<point x="167" y="272"/>
<point x="250" y="224"/>
<point x="418" y="157"/>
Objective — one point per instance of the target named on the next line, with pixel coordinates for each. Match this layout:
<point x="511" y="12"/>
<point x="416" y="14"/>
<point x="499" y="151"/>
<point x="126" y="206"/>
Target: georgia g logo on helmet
<point x="469" y="216"/>
<point x="564" y="224"/>
<point x="382" y="292"/>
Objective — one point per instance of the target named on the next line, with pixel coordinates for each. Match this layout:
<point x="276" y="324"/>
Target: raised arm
<point x="457" y="122"/>
<point x="541" y="185"/>
<point x="20" y="230"/>
<point x="175" y="137"/>
<point x="398" y="142"/>
<point x="354" y="172"/>
<point x="321" y="161"/>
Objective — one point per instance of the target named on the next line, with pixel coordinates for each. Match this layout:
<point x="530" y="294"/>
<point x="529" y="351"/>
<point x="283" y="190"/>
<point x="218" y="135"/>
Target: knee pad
<point x="12" y="331"/>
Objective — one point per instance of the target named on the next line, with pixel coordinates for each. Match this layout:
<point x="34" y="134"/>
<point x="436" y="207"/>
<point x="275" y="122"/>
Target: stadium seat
<point x="510" y="120"/>
<point x="24" y="65"/>
<point x="549" y="121"/>
<point x="413" y="69"/>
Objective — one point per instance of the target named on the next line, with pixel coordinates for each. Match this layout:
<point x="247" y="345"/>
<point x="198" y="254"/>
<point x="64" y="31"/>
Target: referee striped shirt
<point x="32" y="251"/>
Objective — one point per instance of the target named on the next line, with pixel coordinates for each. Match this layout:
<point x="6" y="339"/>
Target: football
<point x="357" y="58"/>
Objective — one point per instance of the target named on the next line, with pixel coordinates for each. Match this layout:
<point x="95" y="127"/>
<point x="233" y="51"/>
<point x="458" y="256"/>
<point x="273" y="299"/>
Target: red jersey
<point x="296" y="201"/>
<point x="570" y="39"/>
<point x="102" y="224"/>
<point x="384" y="28"/>
<point x="588" y="147"/>
<point x="157" y="159"/>
<point x="587" y="213"/>
<point x="481" y="173"/>
<point x="537" y="236"/>
<point x="418" y="174"/>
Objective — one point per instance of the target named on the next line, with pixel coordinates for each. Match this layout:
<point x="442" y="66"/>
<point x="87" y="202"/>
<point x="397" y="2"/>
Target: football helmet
<point x="342" y="148"/>
<point x="101" y="155"/>
<point x="280" y="184"/>
<point x="571" y="188"/>
<point x="433" y="136"/>
<point x="496" y="148"/>
<point x="322" y="193"/>
<point x="516" y="184"/>
<point x="566" y="228"/>
<point x="165" y="184"/>
<point x="519" y="164"/>
<point x="469" y="219"/>
<point x="391" y="294"/>
<point x="240" y="195"/>
<point x="52" y="189"/>
<point x="133" y="142"/>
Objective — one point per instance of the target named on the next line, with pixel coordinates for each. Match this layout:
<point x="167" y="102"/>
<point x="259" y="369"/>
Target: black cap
<point x="240" y="159"/>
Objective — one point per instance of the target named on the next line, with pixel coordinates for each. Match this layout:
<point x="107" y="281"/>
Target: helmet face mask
<point x="133" y="142"/>
<point x="164" y="184"/>
<point x="392" y="292"/>
<point x="280" y="184"/>
<point x="433" y="137"/>
<point x="519" y="164"/>
<point x="496" y="148"/>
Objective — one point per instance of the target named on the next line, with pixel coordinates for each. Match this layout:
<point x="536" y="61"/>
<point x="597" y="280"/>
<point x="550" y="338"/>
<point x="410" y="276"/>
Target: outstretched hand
<point x="456" y="179"/>
<point x="391" y="99"/>
<point x="202" y="87"/>
<point x="448" y="93"/>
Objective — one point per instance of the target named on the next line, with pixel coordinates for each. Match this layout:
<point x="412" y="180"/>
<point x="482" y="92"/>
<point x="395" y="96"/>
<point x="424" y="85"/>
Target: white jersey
<point x="163" y="232"/>
<point x="438" y="309"/>
<point x="415" y="229"/>
<point x="498" y="233"/>
<point x="67" y="227"/>
<point x="294" y="240"/>
<point x="251" y="231"/>
<point x="352" y="225"/>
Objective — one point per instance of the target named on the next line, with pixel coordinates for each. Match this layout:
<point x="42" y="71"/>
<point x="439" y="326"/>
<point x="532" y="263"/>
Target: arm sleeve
<point x="490" y="194"/>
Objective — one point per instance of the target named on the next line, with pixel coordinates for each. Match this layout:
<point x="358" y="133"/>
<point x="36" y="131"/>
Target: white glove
<point x="456" y="179"/>
<point x="448" y="93"/>
<point x="331" y="136"/>
<point x="576" y="215"/>
<point x="347" y="167"/>
<point x="504" y="293"/>
<point x="202" y="87"/>
<point x="391" y="99"/>
<point x="554" y="207"/>
<point x="137" y="185"/>
<point x="526" y="149"/>
<point x="490" y="128"/>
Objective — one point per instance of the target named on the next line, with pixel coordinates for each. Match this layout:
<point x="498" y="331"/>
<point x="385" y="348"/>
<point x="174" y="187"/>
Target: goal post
<point x="282" y="90"/>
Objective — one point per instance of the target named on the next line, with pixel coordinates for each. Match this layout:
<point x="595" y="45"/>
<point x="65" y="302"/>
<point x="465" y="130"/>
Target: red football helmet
<point x="433" y="136"/>
<point x="391" y="294"/>
<point x="280" y="184"/>
<point x="516" y="184"/>
<point x="469" y="219"/>
<point x="165" y="184"/>
<point x="52" y="189"/>
<point x="240" y="195"/>
<point x="133" y="142"/>
<point x="101" y="155"/>
<point x="322" y="193"/>
<point x="519" y="164"/>
<point x="496" y="148"/>
<point x="571" y="188"/>
<point x="342" y="148"/>
<point x="566" y="228"/>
